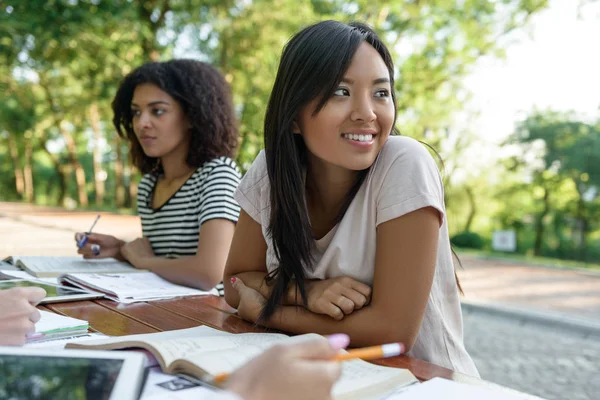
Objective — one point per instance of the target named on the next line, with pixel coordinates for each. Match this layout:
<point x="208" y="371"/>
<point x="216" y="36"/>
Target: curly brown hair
<point x="205" y="98"/>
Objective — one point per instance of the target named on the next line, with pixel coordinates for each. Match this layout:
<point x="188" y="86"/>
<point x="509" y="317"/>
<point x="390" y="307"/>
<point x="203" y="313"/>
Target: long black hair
<point x="312" y="65"/>
<point x="205" y="98"/>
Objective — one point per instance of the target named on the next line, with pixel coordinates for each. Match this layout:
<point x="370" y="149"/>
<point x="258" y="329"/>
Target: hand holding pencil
<point x="282" y="372"/>
<point x="366" y="353"/>
<point x="97" y="245"/>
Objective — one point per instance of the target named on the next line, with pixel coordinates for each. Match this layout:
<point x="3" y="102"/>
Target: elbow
<point x="393" y="331"/>
<point x="231" y="296"/>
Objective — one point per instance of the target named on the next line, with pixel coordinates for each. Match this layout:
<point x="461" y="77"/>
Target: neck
<point x="327" y="186"/>
<point x="175" y="168"/>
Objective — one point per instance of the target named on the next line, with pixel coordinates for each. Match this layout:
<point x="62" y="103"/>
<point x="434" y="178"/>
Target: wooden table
<point x="115" y="319"/>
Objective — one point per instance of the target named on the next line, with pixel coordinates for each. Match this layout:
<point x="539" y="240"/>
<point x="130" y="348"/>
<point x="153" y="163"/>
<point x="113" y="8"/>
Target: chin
<point x="358" y="165"/>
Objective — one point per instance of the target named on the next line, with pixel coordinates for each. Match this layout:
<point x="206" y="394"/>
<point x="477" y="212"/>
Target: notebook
<point x="130" y="288"/>
<point x="55" y="326"/>
<point x="48" y="267"/>
<point x="203" y="352"/>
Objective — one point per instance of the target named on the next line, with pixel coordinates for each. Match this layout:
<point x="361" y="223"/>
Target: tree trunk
<point x="473" y="208"/>
<point x="28" y="171"/>
<point x="62" y="178"/>
<point x="539" y="224"/>
<point x="76" y="165"/>
<point x="99" y="174"/>
<point x="14" y="154"/>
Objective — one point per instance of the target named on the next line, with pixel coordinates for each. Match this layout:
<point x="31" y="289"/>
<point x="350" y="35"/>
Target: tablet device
<point x="54" y="293"/>
<point x="70" y="374"/>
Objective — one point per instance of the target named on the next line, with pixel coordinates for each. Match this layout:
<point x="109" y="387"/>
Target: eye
<point x="158" y="111"/>
<point x="341" y="92"/>
<point x="382" y="93"/>
<point x="135" y="113"/>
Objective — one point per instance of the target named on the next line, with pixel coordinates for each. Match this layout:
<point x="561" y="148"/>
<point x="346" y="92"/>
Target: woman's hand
<point x="138" y="249"/>
<point x="98" y="245"/>
<point x="251" y="301"/>
<point x="18" y="314"/>
<point x="337" y="297"/>
<point x="297" y="371"/>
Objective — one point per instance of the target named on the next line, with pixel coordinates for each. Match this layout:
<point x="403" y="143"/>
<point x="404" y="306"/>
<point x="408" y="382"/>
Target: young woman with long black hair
<point x="343" y="225"/>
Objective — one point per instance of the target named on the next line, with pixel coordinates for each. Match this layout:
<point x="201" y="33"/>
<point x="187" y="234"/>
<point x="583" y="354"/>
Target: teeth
<point x="359" y="138"/>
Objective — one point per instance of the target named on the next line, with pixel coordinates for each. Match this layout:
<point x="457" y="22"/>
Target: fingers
<point x="238" y="284"/>
<point x="35" y="316"/>
<point x="363" y="289"/>
<point x="357" y="299"/>
<point x="314" y="349"/>
<point x="321" y="374"/>
<point x="334" y="311"/>
<point x="344" y="304"/>
<point x="34" y="295"/>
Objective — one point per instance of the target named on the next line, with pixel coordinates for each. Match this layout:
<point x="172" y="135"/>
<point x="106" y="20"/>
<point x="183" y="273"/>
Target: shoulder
<point x="221" y="164"/>
<point x="257" y="175"/>
<point x="221" y="169"/>
<point x="146" y="185"/>
<point x="402" y="155"/>
<point x="404" y="149"/>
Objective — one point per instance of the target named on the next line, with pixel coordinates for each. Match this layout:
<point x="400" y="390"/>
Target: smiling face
<point x="356" y="121"/>
<point x="159" y="123"/>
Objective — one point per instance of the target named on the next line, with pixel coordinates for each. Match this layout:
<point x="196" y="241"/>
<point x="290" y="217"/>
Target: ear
<point x="296" y="128"/>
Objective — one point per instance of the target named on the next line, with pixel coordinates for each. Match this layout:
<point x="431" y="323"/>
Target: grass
<point x="528" y="259"/>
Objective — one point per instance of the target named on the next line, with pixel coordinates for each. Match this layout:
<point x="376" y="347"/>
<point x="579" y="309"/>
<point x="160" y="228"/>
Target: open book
<point x="131" y="287"/>
<point x="49" y="267"/>
<point x="203" y="353"/>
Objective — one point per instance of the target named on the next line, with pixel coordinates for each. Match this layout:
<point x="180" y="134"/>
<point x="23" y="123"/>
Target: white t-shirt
<point x="404" y="178"/>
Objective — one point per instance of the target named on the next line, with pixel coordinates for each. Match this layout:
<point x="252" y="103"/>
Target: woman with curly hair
<point x="179" y="121"/>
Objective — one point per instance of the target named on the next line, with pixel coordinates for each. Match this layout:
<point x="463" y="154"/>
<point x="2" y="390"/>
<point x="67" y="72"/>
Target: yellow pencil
<point x="366" y="353"/>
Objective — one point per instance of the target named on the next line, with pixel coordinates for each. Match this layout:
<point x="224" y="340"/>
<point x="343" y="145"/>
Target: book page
<point x="438" y="388"/>
<point x="180" y="344"/>
<point x="359" y="375"/>
<point x="51" y="322"/>
<point x="55" y="266"/>
<point x="142" y="286"/>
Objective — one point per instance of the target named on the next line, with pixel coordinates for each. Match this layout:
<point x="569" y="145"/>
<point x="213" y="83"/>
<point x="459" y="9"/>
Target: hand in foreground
<point x="251" y="301"/>
<point x="298" y="371"/>
<point x="136" y="250"/>
<point x="99" y="245"/>
<point x="337" y="297"/>
<point x="18" y="314"/>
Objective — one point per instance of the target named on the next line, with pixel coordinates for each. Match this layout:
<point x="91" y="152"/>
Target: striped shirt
<point x="173" y="229"/>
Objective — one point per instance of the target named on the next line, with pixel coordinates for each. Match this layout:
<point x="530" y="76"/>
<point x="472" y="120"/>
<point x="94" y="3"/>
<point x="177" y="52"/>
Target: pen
<point x="84" y="240"/>
<point x="365" y="353"/>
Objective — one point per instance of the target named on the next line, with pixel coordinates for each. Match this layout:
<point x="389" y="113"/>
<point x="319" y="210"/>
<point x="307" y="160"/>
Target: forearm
<point x="187" y="271"/>
<point x="256" y="280"/>
<point x="368" y="326"/>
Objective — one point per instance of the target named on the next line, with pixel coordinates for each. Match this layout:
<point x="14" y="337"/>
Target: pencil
<point x="94" y="224"/>
<point x="372" y="353"/>
<point x="366" y="353"/>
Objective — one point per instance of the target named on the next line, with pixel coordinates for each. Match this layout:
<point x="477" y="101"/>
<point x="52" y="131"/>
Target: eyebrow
<point x="375" y="81"/>
<point x="154" y="103"/>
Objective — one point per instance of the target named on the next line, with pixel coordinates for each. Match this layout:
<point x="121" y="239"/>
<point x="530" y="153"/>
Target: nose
<point x="142" y="121"/>
<point x="363" y="109"/>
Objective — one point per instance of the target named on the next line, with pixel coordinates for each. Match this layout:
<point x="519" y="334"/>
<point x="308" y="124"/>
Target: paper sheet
<point x="438" y="388"/>
<point x="129" y="288"/>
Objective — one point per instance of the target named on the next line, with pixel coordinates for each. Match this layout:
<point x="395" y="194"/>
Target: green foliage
<point x="468" y="240"/>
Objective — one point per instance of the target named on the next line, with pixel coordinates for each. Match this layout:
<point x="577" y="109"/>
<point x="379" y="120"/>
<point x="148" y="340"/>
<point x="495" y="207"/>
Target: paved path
<point x="554" y="365"/>
<point x="516" y="352"/>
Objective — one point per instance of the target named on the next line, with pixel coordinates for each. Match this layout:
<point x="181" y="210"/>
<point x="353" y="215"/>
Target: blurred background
<point x="507" y="92"/>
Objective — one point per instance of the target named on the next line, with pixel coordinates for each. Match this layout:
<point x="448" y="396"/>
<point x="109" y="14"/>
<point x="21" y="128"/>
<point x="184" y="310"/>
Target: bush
<point x="468" y="240"/>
